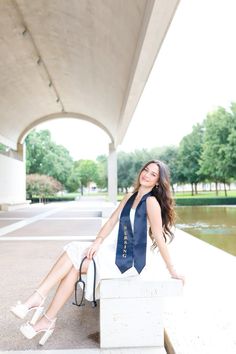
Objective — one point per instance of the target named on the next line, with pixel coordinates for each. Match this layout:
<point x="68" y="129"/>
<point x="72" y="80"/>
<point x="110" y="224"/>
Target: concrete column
<point x="112" y="174"/>
<point x="21" y="151"/>
<point x="13" y="177"/>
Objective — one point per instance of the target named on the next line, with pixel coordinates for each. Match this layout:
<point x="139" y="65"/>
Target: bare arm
<point x="107" y="228"/>
<point x="154" y="216"/>
<point x="113" y="219"/>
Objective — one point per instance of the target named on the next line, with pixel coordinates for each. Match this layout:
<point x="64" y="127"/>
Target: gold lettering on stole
<point x="124" y="253"/>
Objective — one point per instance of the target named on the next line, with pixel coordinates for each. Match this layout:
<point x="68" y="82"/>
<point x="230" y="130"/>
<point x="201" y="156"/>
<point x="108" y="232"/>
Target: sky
<point x="194" y="73"/>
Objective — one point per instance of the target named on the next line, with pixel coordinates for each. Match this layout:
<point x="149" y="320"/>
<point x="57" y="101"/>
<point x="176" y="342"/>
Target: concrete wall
<point x="12" y="180"/>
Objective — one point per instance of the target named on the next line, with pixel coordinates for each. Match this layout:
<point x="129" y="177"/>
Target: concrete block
<point x="134" y="287"/>
<point x="131" y="312"/>
<point x="143" y="350"/>
<point x="127" y="322"/>
<point x="14" y="205"/>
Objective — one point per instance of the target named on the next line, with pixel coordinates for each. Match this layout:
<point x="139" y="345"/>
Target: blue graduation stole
<point x="131" y="245"/>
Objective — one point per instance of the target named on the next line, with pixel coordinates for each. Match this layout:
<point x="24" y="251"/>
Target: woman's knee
<point x="74" y="270"/>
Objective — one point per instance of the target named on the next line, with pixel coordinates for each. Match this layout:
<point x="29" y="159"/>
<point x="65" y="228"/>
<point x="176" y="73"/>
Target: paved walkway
<point x="31" y="239"/>
<point x="201" y="322"/>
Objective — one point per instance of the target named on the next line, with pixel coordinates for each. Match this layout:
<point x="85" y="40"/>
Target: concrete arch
<point x="63" y="115"/>
<point x="92" y="59"/>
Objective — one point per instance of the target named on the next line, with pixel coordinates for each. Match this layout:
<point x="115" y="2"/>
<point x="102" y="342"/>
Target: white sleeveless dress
<point x="105" y="260"/>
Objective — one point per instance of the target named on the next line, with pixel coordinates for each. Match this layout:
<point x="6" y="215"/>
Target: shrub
<point x="41" y="186"/>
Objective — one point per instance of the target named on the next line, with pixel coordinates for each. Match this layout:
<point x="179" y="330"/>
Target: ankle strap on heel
<point x="49" y="319"/>
<point x="52" y="322"/>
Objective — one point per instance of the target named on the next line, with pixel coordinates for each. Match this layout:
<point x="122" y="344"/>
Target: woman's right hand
<point x="92" y="250"/>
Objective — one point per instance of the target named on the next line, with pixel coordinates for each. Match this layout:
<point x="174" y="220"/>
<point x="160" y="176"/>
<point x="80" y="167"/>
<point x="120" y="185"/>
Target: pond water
<point x="213" y="224"/>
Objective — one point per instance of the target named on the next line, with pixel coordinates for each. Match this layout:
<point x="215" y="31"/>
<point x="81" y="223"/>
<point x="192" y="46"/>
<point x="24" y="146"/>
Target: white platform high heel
<point x="29" y="332"/>
<point x="21" y="310"/>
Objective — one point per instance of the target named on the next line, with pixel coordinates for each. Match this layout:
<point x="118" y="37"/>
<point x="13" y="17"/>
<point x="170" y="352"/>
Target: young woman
<point x="145" y="220"/>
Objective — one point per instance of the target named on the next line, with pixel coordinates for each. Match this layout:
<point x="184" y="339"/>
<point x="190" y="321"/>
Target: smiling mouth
<point x="145" y="180"/>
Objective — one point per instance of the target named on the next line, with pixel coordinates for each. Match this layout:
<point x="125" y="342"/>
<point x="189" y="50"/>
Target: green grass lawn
<point x="176" y="195"/>
<point x="199" y="195"/>
<point x="205" y="194"/>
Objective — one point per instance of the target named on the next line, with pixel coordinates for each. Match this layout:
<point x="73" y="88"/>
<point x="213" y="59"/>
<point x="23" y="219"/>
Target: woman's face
<point x="149" y="176"/>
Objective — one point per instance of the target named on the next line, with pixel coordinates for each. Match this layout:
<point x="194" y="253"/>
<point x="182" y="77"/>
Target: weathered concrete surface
<point x="59" y="227"/>
<point x="89" y="60"/>
<point x="23" y="264"/>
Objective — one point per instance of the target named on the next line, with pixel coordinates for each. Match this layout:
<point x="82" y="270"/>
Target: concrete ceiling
<point x="88" y="59"/>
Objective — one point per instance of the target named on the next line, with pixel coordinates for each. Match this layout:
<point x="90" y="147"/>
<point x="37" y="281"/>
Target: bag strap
<point x="80" y="280"/>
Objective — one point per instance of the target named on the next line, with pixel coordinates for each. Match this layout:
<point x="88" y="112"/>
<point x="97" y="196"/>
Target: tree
<point x="214" y="161"/>
<point x="129" y="164"/>
<point x="45" y="157"/>
<point x="102" y="180"/>
<point x="190" y="151"/>
<point x="139" y="158"/>
<point x="125" y="170"/>
<point x="87" y="172"/>
<point x="3" y="148"/>
<point x="73" y="182"/>
<point x="230" y="148"/>
<point x="169" y="155"/>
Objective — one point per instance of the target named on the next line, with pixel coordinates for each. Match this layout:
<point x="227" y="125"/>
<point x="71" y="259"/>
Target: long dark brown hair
<point x="162" y="193"/>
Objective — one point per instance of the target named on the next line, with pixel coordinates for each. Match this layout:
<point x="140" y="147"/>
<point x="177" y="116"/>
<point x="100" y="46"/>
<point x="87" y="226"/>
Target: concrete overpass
<point x="73" y="58"/>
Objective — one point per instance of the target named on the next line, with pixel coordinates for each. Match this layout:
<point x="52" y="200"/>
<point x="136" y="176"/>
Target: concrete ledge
<point x="136" y="288"/>
<point x="14" y="205"/>
<point x="202" y="321"/>
<point x="90" y="351"/>
<point x="131" y="313"/>
<point x="142" y="350"/>
<point x="108" y="210"/>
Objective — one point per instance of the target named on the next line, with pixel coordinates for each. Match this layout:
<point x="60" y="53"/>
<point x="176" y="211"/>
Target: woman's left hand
<point x="178" y="276"/>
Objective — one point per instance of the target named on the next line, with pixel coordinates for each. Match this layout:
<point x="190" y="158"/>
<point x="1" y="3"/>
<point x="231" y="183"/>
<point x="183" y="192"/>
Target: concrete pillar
<point x="13" y="177"/>
<point x="112" y="174"/>
<point x="21" y="151"/>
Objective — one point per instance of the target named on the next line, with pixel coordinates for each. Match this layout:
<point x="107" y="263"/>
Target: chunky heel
<point x="36" y="315"/>
<point x="29" y="332"/>
<point x="21" y="310"/>
<point x="46" y="336"/>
